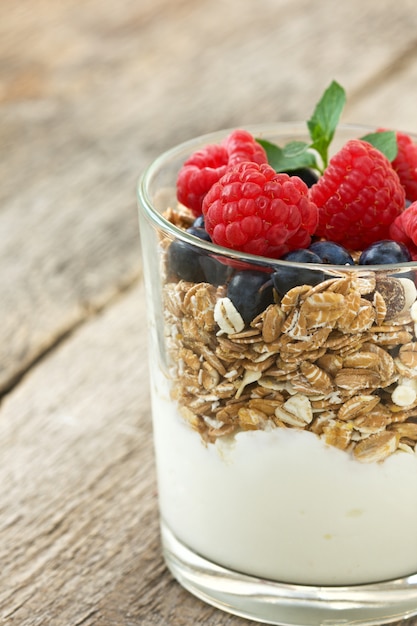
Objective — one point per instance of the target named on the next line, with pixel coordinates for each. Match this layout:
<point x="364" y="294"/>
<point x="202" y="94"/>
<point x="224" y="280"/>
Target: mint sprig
<point x="321" y="126"/>
<point x="323" y="122"/>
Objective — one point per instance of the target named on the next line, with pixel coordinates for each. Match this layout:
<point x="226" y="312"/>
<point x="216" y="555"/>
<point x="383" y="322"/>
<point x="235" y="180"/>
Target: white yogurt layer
<point x="283" y="505"/>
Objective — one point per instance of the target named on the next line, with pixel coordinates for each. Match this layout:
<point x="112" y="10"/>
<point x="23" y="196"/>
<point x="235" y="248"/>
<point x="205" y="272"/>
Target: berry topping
<point x="255" y="197"/>
<point x="358" y="196"/>
<point x="286" y="277"/>
<point x="207" y="165"/>
<point x="251" y="292"/>
<point x="331" y="253"/>
<point x="404" y="229"/>
<point x="255" y="210"/>
<point x="385" y="252"/>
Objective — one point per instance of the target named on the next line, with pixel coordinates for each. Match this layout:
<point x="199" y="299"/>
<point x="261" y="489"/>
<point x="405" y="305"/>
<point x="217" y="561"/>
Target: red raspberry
<point x="405" y="164"/>
<point x="207" y="166"/>
<point x="255" y="210"/>
<point x="358" y="196"/>
<point x="404" y="229"/>
<point x="242" y="146"/>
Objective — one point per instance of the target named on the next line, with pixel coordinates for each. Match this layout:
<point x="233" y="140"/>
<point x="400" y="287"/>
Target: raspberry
<point x="358" y="196"/>
<point x="404" y="229"/>
<point x="241" y="146"/>
<point x="405" y="164"/>
<point x="253" y="209"/>
<point x="206" y="166"/>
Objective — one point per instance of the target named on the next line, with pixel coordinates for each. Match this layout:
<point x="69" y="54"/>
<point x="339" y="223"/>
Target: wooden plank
<point x="79" y="509"/>
<point x="91" y="93"/>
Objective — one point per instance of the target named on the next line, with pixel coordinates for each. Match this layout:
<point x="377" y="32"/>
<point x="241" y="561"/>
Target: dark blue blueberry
<point x="199" y="222"/>
<point x="201" y="233"/>
<point x="195" y="265"/>
<point x="331" y="253"/>
<point x="308" y="176"/>
<point x="215" y="272"/>
<point x="286" y="277"/>
<point x="183" y="260"/>
<point x="385" y="252"/>
<point x="251" y="292"/>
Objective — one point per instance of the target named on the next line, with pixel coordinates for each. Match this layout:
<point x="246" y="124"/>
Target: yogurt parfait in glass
<point x="280" y="269"/>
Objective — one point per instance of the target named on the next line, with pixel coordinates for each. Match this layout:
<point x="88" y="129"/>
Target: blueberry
<point x="251" y="292"/>
<point x="331" y="253"/>
<point x="285" y="278"/>
<point x="215" y="272"/>
<point x="384" y="253"/>
<point x="308" y="176"/>
<point x="195" y="265"/>
<point x="199" y="222"/>
<point x="201" y="233"/>
<point x="183" y="260"/>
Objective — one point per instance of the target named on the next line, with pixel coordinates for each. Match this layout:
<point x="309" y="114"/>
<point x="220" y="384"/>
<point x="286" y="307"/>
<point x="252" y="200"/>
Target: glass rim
<point x="247" y="258"/>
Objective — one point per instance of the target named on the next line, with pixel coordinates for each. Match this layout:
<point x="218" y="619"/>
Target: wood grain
<point x="74" y="523"/>
<point x="90" y="92"/>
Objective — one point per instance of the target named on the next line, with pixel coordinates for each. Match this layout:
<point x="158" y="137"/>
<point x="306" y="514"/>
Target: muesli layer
<point x="338" y="359"/>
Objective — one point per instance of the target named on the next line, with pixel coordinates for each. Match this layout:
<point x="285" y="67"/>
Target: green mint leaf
<point x="291" y="157"/>
<point x="323" y="122"/>
<point x="385" y="142"/>
<point x="294" y="149"/>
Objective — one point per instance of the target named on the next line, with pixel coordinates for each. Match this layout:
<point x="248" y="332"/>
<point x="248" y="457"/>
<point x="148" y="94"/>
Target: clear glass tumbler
<point x="285" y="439"/>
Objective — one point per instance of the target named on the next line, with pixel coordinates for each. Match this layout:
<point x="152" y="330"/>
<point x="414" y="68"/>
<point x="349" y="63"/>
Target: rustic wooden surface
<point x="90" y="92"/>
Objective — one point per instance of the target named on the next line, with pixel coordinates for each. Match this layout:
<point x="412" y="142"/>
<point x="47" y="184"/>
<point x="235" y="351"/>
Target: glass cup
<point x="285" y="433"/>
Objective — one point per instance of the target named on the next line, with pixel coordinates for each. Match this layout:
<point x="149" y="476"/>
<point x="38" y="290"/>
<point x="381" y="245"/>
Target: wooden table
<point x="90" y="92"/>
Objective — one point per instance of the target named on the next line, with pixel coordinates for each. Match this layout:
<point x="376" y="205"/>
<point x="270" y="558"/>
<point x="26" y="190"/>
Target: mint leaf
<point x="291" y="157"/>
<point x="323" y="122"/>
<point x="385" y="142"/>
